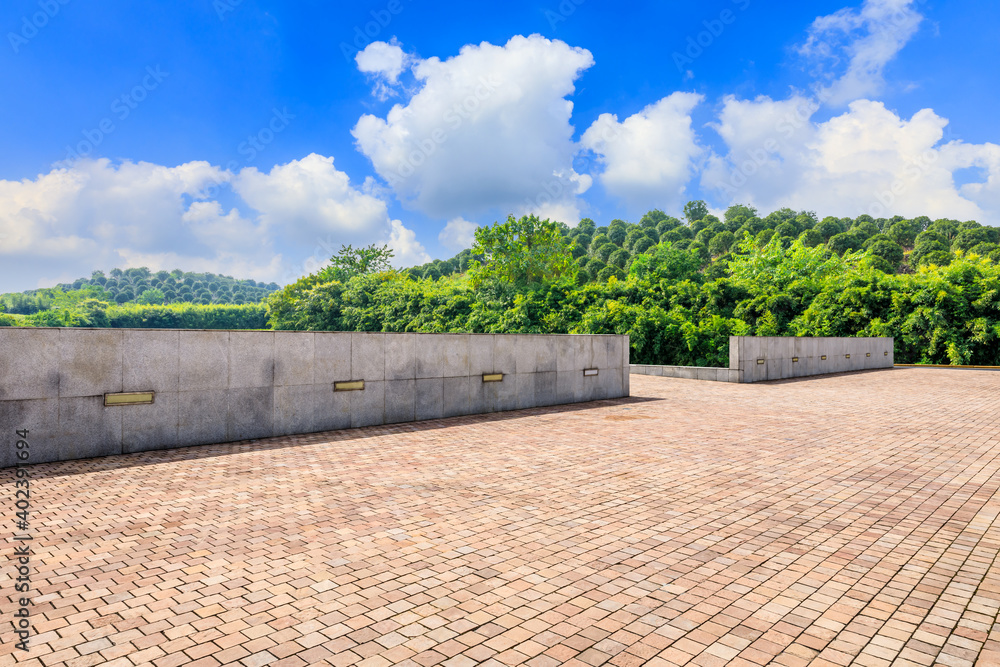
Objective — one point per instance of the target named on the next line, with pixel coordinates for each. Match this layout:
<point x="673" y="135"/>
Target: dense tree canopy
<point x="521" y="252"/>
<point x="140" y="286"/>
<point x="678" y="289"/>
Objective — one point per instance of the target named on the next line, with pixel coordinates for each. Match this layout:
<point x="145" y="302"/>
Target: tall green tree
<point x="695" y="210"/>
<point x="350" y="262"/>
<point x="524" y="252"/>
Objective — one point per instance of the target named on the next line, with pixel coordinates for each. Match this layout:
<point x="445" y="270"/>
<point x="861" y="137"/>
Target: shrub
<point x="891" y="252"/>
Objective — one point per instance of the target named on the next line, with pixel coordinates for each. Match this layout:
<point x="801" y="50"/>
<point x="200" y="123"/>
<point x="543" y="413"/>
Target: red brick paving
<point x="839" y="520"/>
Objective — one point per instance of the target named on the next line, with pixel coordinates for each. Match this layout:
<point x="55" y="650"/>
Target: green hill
<point x="140" y="286"/>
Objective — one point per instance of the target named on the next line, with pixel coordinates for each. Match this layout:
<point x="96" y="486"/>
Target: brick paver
<point x="842" y="520"/>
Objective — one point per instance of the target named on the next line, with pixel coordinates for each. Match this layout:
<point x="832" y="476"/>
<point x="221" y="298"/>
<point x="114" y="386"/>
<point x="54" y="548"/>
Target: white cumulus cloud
<point x="384" y="61"/>
<point x="407" y="250"/>
<point x="486" y="130"/>
<point x="866" y="160"/>
<point x="309" y="198"/>
<point x="458" y="234"/>
<point x="868" y="39"/>
<point x="383" y="58"/>
<point x="95" y="214"/>
<point x="650" y="156"/>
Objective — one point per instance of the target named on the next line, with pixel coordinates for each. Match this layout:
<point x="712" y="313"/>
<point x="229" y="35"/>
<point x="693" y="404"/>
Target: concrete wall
<point x="688" y="372"/>
<point x="778" y="355"/>
<point x="220" y="386"/>
<point x="759" y="358"/>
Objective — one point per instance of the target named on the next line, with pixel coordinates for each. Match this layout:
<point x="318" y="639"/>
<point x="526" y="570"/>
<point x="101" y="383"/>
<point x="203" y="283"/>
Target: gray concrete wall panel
<point x="224" y="386"/>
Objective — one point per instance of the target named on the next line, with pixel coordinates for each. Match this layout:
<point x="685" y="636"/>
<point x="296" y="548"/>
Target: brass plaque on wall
<point x="350" y="385"/>
<point x="129" y="398"/>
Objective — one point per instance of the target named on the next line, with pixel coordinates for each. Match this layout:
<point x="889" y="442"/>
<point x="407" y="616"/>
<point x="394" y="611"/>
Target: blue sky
<point x="252" y="138"/>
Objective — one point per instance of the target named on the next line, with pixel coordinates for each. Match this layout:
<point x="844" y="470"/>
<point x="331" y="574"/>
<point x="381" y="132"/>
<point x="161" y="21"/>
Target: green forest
<point x="138" y="286"/>
<point x="678" y="286"/>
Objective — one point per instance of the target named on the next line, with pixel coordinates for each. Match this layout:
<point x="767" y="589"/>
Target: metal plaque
<point x="129" y="398"/>
<point x="351" y="385"/>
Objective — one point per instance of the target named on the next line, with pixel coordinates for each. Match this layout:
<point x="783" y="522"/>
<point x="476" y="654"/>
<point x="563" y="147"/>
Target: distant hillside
<point x="141" y="286"/>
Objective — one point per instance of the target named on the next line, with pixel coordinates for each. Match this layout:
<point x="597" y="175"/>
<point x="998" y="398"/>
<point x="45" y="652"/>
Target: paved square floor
<point x="840" y="520"/>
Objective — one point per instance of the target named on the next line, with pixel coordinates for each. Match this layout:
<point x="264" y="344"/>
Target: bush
<point x="926" y="243"/>
<point x="151" y="296"/>
<point x="700" y="250"/>
<point x="844" y="242"/>
<point x="935" y="257"/>
<point x="811" y="238"/>
<point x="969" y="238"/>
<point x="786" y="229"/>
<point x="616" y="234"/>
<point x="619" y="258"/>
<point x="891" y="252"/>
<point x="666" y="225"/>
<point x="828" y="228"/>
<point x="642" y="245"/>
<point x="605" y="251"/>
<point x="671" y="236"/>
<point x="189" y="316"/>
<point x="983" y="249"/>
<point x="881" y="264"/>
<point x="598" y="241"/>
<point x="594" y="268"/>
<point x="608" y="271"/>
<point x="721" y="243"/>
<point x="864" y="229"/>
<point x="904" y="233"/>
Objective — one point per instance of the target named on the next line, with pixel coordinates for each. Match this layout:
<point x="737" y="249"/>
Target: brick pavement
<point x="839" y="520"/>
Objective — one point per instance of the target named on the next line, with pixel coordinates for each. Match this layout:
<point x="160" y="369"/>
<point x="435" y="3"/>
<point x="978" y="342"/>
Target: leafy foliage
<point x="524" y="252"/>
<point x="94" y="313"/>
<point x="140" y="285"/>
<point x="678" y="289"/>
<point x="679" y="297"/>
<point x="350" y="262"/>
